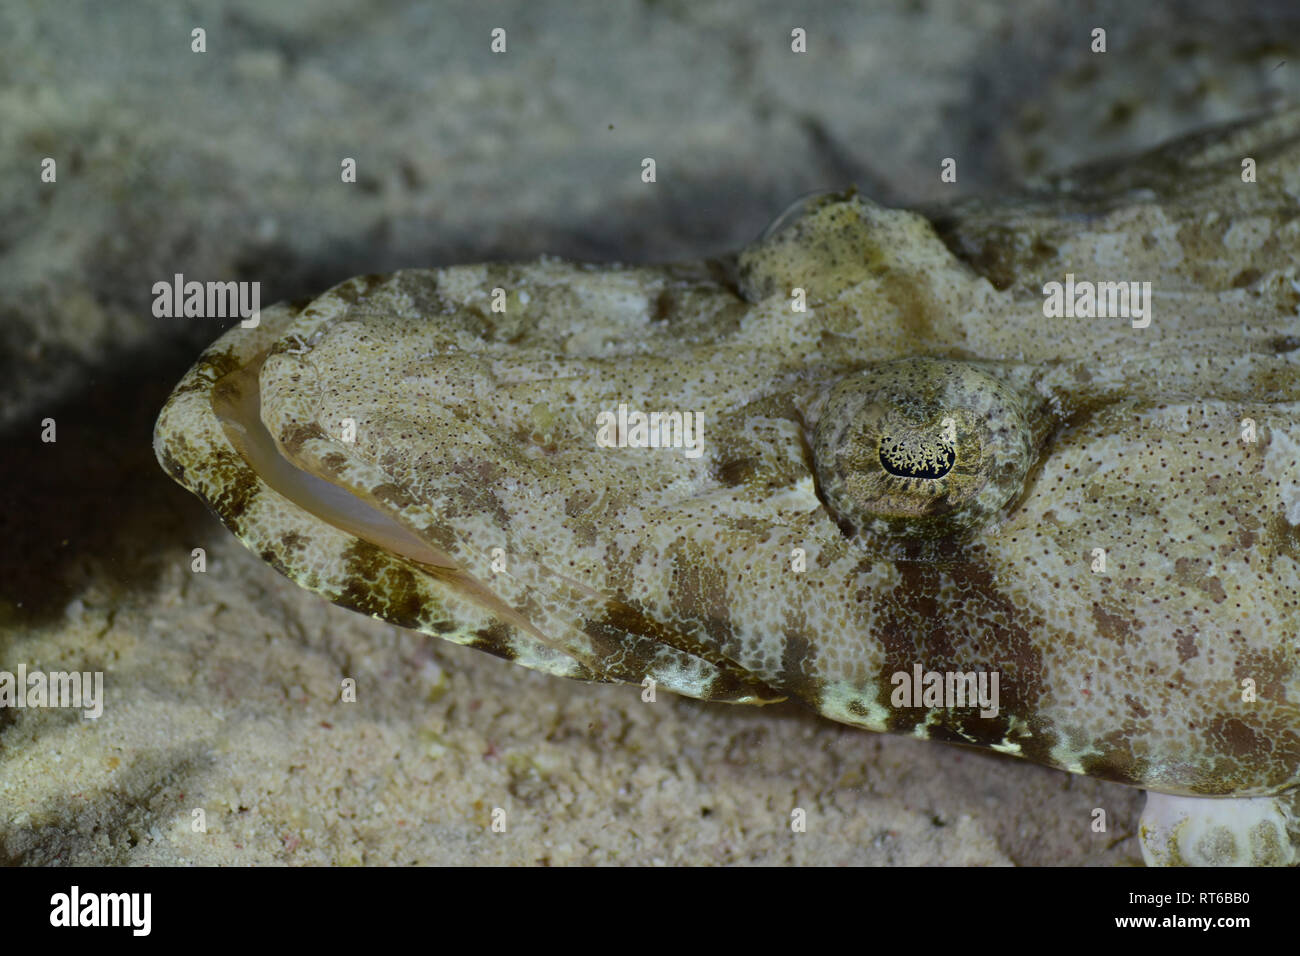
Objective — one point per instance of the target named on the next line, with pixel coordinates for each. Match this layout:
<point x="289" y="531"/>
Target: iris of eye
<point x="917" y="458"/>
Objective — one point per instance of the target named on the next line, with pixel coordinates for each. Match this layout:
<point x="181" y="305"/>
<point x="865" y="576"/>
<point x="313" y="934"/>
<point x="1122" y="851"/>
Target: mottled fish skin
<point x="476" y="429"/>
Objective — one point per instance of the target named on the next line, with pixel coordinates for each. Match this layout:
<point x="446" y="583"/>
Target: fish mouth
<point x="236" y="402"/>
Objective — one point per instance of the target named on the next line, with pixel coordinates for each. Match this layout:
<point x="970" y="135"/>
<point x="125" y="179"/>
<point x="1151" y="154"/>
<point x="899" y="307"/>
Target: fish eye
<point x="922" y="447"/>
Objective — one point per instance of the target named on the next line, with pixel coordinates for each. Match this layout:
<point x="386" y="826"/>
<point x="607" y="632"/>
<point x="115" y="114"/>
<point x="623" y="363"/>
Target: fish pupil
<point x="917" y="456"/>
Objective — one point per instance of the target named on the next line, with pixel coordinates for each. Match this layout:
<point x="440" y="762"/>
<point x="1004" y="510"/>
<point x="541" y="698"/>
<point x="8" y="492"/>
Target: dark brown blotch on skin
<point x="626" y="641"/>
<point x="378" y="585"/>
<point x="700" y="598"/>
<point x="1281" y="537"/>
<point x="976" y="629"/>
<point x="1113" y="625"/>
<point x="211" y="368"/>
<point x="1115" y="759"/>
<point x="237" y="489"/>
<point x="798" y="665"/>
<point x="495" y="639"/>
<point x="354" y="290"/>
<point x="1232" y="735"/>
<point x="1242" y="746"/>
<point x="731" y="474"/>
